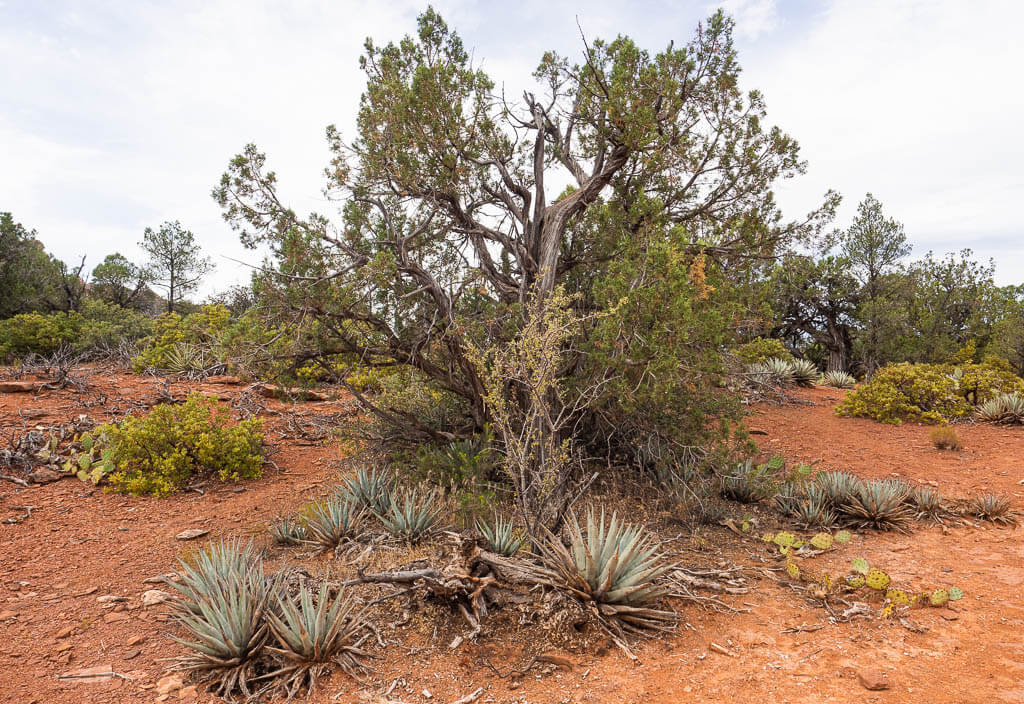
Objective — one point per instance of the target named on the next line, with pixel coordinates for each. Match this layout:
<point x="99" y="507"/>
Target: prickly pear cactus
<point x="784" y="539"/>
<point x="859" y="564"/>
<point x="956" y="593"/>
<point x="939" y="597"/>
<point x="793" y="570"/>
<point x="843" y="537"/>
<point x="821" y="541"/>
<point x="898" y="597"/>
<point x="855" y="581"/>
<point x="876" y="579"/>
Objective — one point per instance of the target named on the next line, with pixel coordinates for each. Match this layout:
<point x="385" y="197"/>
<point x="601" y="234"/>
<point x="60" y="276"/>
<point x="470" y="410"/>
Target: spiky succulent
<point x="815" y="510"/>
<point x="613" y="565"/>
<point x="332" y="521"/>
<point x="804" y="372"/>
<point x="501" y="536"/>
<point x="838" y="488"/>
<point x="183" y="358"/>
<point x="838" y="379"/>
<point x="287" y="531"/>
<point x="880" y="504"/>
<point x="371" y="489"/>
<point x="1007" y="409"/>
<point x="222" y="604"/>
<point x="748" y="483"/>
<point x="992" y="507"/>
<point x="789" y="498"/>
<point x="310" y="634"/>
<point x="412" y="516"/>
<point x="927" y="504"/>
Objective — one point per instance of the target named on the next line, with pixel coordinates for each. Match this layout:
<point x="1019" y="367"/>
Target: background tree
<point x="30" y="279"/>
<point x="175" y="261"/>
<point x="119" y="281"/>
<point x="873" y="246"/>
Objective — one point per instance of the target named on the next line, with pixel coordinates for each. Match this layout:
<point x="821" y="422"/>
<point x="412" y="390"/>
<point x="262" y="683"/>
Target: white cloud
<point x="753" y="17"/>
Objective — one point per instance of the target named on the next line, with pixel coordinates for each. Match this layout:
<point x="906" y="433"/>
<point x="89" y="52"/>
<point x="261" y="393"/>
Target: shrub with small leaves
<point x="158" y="453"/>
<point x="945" y="438"/>
<point x="761" y="349"/>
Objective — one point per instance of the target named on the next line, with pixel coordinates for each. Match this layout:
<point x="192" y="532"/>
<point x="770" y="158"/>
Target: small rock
<point x="166" y="685"/>
<point x="44" y="475"/>
<point x="154" y="597"/>
<point x="65" y="632"/>
<point x="137" y="640"/>
<point x="8" y="615"/>
<point x="949" y="615"/>
<point x="87" y="592"/>
<point x="189" y="692"/>
<point x="427" y="694"/>
<point x="110" y="598"/>
<point x="115" y="617"/>
<point x="223" y="379"/>
<point x="873" y="680"/>
<point x="132" y="654"/>
<point x="17" y="387"/>
<point x="192" y="533"/>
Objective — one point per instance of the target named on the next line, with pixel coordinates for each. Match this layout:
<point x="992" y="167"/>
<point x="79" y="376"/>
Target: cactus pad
<point x="876" y="579"/>
<point x="956" y="593"/>
<point x="859" y="564"/>
<point x="793" y="570"/>
<point x="843" y="537"/>
<point x="939" y="597"/>
<point x="898" y="597"/>
<point x="821" y="541"/>
<point x="784" y="539"/>
<point x="855" y="581"/>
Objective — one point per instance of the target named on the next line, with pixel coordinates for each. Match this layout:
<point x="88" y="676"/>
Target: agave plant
<point x="1007" y="409"/>
<point x="815" y="510"/>
<point x="287" y="531"/>
<point x="838" y="379"/>
<point x="927" y="504"/>
<point x="804" y="372"/>
<point x="411" y="517"/>
<point x="501" y="536"/>
<point x="222" y="604"/>
<point x="183" y="358"/>
<point x="312" y="633"/>
<point x="332" y="521"/>
<point x="613" y="566"/>
<point x="789" y="498"/>
<point x="992" y="507"/>
<point x="880" y="503"/>
<point x="748" y="483"/>
<point x="838" y="488"/>
<point x="370" y="489"/>
<point x="775" y="371"/>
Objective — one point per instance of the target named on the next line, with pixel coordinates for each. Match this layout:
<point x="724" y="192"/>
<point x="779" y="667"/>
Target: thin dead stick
<point x="84" y="675"/>
<point x="16" y="480"/>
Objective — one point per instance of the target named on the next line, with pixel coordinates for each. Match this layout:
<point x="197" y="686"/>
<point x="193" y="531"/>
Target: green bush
<point x="202" y="328"/>
<point x="159" y="452"/>
<point x="927" y="393"/>
<point x="761" y="349"/>
<point x="105" y="323"/>
<point x="38" y="333"/>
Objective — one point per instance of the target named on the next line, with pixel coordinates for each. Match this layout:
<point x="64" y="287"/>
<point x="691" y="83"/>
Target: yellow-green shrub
<point x="37" y="332"/>
<point x="927" y="393"/>
<point x="159" y="452"/>
<point x="204" y="327"/>
<point x="760" y="349"/>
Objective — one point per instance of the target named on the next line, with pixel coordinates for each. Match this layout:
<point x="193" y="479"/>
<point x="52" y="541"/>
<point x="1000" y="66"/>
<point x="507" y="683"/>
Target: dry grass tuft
<point x="945" y="438"/>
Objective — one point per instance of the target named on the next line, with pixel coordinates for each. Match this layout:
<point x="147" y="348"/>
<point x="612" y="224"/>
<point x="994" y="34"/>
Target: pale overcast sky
<point x="119" y="115"/>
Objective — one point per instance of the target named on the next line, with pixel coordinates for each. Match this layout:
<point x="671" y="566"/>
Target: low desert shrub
<point x="761" y="349"/>
<point x="926" y="393"/>
<point x="945" y="438"/>
<point x="158" y="453"/>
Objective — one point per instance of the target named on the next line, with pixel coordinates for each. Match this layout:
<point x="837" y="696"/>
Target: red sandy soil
<point x="81" y="544"/>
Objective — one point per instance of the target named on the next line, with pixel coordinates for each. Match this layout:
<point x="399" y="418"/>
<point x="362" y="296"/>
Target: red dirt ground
<point x="80" y="544"/>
